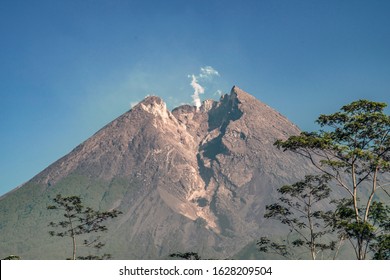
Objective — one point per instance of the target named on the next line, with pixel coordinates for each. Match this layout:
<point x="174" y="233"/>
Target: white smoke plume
<point x="198" y="89"/>
<point x="206" y="74"/>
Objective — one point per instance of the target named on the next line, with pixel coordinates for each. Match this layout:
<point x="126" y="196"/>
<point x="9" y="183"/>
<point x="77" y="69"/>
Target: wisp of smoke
<point x="206" y="74"/>
<point x="198" y="89"/>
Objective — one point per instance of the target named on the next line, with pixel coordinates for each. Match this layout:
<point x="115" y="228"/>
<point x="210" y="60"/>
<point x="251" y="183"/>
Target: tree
<point x="12" y="257"/>
<point x="374" y="233"/>
<point x="300" y="208"/>
<point x="382" y="251"/>
<point x="80" y="220"/>
<point x="186" y="256"/>
<point x="352" y="148"/>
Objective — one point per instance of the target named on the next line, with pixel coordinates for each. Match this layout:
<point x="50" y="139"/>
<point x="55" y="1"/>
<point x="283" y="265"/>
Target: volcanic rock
<point x="194" y="179"/>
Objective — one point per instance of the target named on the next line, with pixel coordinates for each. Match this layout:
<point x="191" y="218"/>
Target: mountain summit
<point x="190" y="179"/>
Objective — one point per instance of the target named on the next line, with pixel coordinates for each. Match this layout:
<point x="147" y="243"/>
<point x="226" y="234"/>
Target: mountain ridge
<point x="187" y="179"/>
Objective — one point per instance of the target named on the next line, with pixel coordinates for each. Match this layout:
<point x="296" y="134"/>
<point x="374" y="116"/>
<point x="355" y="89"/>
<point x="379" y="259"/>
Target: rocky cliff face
<point x="194" y="179"/>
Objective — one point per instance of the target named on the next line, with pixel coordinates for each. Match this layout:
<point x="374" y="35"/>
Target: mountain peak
<point x="190" y="179"/>
<point x="241" y="95"/>
<point x="152" y="99"/>
<point x="156" y="106"/>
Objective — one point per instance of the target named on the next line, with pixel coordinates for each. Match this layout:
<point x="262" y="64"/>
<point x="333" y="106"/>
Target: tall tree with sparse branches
<point x="301" y="209"/>
<point x="80" y="220"/>
<point x="353" y="149"/>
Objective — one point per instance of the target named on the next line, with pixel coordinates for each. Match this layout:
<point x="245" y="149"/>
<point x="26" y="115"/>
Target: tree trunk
<point x="73" y="238"/>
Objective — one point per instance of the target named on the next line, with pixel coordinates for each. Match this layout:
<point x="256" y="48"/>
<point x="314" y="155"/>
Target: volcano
<point x="191" y="179"/>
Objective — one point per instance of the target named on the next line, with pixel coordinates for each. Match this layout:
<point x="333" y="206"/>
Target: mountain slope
<point x="194" y="179"/>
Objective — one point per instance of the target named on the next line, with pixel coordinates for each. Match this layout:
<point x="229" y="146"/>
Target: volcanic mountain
<point x="190" y="179"/>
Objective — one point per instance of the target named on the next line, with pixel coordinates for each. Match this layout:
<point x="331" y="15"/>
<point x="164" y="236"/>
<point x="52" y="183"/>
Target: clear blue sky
<point x="69" y="67"/>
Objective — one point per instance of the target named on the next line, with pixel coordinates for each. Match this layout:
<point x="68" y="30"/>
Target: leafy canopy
<point x="352" y="149"/>
<point x="300" y="208"/>
<point x="80" y="220"/>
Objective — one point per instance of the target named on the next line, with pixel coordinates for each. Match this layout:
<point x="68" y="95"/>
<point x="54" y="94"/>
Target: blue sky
<point x="68" y="68"/>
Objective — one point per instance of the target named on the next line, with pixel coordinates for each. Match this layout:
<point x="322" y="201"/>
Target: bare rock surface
<point x="194" y="179"/>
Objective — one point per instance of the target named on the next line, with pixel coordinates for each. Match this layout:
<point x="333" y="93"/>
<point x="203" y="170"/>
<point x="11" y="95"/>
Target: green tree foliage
<point x="80" y="220"/>
<point x="12" y="257"/>
<point x="373" y="233"/>
<point x="186" y="256"/>
<point x="381" y="248"/>
<point x="352" y="149"/>
<point x="300" y="208"/>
